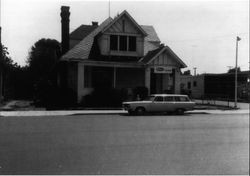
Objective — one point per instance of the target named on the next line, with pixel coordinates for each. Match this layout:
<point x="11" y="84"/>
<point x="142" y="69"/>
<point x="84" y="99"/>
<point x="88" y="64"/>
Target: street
<point x="210" y="144"/>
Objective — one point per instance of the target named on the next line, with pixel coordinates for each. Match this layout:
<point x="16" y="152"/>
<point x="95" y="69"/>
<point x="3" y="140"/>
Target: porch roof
<point x="152" y="55"/>
<point x="96" y="63"/>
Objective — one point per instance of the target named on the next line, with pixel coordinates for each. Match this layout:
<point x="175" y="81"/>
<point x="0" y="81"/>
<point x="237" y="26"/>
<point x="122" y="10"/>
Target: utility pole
<point x="1" y="69"/>
<point x="109" y="8"/>
<point x="236" y="67"/>
<point x="195" y="71"/>
<point x="1" y="58"/>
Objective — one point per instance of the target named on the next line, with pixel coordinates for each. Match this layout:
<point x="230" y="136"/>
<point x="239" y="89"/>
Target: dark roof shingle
<point x="82" y="49"/>
<point x="82" y="31"/>
<point x="151" y="54"/>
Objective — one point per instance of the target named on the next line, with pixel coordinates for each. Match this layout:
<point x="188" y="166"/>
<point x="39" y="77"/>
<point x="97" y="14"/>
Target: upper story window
<point x="113" y="42"/>
<point x="122" y="43"/>
<point x="132" y="43"/>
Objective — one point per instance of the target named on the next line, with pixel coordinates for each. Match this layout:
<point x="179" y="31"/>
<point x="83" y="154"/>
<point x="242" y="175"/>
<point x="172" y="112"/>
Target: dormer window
<point x="122" y="43"/>
<point x="132" y="43"/>
<point x="114" y="42"/>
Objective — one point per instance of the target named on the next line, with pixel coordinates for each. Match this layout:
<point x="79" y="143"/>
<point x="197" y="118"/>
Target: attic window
<point x="113" y="42"/>
<point x="122" y="43"/>
<point x="132" y="43"/>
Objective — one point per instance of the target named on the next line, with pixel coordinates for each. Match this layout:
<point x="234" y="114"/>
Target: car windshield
<point x="150" y="98"/>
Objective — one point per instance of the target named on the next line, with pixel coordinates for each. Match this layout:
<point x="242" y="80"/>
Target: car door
<point x="169" y="103"/>
<point x="179" y="103"/>
<point x="158" y="104"/>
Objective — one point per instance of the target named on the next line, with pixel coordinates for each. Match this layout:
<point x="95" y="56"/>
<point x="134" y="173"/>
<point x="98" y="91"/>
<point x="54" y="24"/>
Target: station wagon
<point x="160" y="103"/>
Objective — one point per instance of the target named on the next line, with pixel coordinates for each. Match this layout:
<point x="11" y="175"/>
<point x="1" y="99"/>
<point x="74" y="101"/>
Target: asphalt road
<point x="117" y="144"/>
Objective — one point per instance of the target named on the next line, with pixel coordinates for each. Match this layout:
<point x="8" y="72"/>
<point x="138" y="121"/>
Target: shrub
<point x="141" y="91"/>
<point x="104" y="97"/>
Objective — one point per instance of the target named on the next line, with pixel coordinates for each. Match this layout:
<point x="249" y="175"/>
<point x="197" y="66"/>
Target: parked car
<point x="160" y="103"/>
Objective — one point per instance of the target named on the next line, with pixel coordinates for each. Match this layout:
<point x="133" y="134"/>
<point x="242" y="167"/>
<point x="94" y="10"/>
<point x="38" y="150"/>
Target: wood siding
<point x="117" y="28"/>
<point x="164" y="60"/>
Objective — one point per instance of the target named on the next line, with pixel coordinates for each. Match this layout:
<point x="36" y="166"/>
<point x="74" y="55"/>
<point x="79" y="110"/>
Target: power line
<point x="228" y="36"/>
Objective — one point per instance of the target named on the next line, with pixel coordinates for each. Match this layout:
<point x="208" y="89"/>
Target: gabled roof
<point x="152" y="35"/>
<point x="82" y="31"/>
<point x="87" y="34"/>
<point x="130" y="18"/>
<point x="82" y="49"/>
<point x="151" y="41"/>
<point x="151" y="55"/>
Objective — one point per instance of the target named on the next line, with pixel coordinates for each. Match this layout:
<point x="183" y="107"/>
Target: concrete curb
<point x="60" y="113"/>
<point x="105" y="112"/>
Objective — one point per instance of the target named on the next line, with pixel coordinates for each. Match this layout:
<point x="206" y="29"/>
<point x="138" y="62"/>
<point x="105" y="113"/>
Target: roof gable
<point x="159" y="56"/>
<point x="116" y="24"/>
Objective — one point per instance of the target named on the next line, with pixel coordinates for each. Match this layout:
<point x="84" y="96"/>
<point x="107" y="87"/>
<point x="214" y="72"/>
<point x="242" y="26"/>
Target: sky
<point x="201" y="32"/>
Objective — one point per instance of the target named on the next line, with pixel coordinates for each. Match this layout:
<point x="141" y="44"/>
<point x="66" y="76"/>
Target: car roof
<point x="169" y="95"/>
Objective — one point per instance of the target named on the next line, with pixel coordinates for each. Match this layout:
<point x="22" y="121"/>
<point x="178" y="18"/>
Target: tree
<point x="42" y="65"/>
<point x="232" y="70"/>
<point x="6" y="62"/>
<point x="11" y="74"/>
<point x="42" y="58"/>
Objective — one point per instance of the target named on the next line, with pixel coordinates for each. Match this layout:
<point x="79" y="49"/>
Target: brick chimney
<point x="65" y="28"/>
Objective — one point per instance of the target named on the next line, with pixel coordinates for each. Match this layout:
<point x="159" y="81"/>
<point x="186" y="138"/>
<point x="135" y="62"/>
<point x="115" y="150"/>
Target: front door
<point x="156" y="86"/>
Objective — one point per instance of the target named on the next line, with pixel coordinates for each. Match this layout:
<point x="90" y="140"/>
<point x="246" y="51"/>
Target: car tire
<point x="130" y="112"/>
<point x="140" y="110"/>
<point x="179" y="111"/>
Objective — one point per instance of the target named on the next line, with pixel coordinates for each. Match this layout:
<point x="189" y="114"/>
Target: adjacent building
<point x="118" y="53"/>
<point x="216" y="85"/>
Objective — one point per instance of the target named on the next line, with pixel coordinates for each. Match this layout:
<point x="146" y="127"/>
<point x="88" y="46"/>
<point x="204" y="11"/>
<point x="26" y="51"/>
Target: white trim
<point x="153" y="58"/>
<point x="130" y="17"/>
<point x="111" y="64"/>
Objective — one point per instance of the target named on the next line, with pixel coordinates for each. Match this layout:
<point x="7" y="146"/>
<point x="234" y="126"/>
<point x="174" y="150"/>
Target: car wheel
<point x="179" y="111"/>
<point x="130" y="112"/>
<point x="140" y="111"/>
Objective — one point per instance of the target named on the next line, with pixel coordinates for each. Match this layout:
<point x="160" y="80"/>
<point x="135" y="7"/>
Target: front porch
<point x="101" y="75"/>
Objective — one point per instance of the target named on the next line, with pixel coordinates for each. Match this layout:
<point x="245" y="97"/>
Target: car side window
<point x="158" y="99"/>
<point x="169" y="99"/>
<point x="177" y="98"/>
<point x="184" y="99"/>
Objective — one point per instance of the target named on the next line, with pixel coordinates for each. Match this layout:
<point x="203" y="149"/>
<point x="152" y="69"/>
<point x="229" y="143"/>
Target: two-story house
<point x="118" y="53"/>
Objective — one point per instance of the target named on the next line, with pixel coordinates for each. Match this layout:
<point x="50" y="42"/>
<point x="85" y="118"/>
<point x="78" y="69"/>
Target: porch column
<point x="147" y="78"/>
<point x="114" y="78"/>
<point x="80" y="82"/>
<point x="177" y="82"/>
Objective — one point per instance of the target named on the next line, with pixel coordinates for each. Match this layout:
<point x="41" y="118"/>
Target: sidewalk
<point x="100" y="112"/>
<point x="24" y="108"/>
<point x="223" y="103"/>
